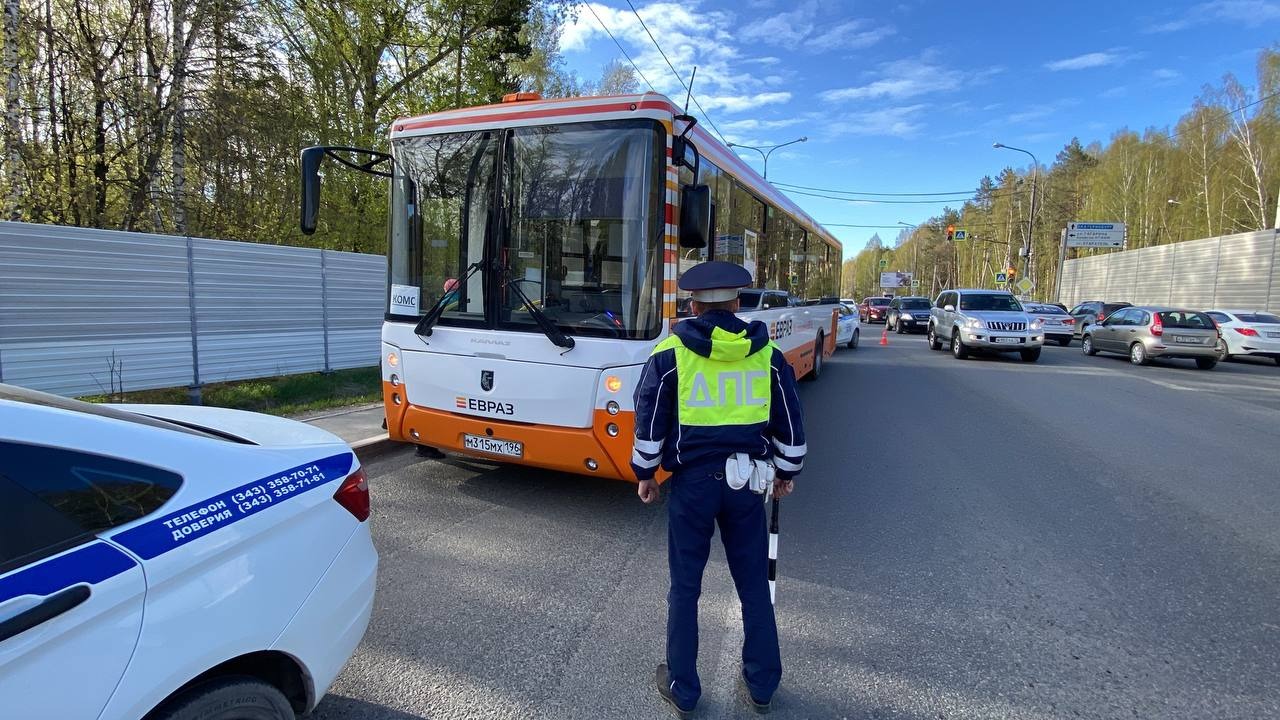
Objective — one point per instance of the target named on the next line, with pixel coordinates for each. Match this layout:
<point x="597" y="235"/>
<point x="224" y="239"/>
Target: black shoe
<point x="663" y="680"/>
<point x="761" y="708"/>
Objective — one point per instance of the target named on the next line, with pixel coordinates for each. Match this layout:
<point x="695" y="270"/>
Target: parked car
<point x="847" y="330"/>
<point x="174" y="562"/>
<point x="983" y="320"/>
<point x="1057" y="324"/>
<point x="908" y="314"/>
<point x="874" y="309"/>
<point x="850" y="302"/>
<point x="1150" y="332"/>
<point x="1090" y="312"/>
<point x="1253" y="333"/>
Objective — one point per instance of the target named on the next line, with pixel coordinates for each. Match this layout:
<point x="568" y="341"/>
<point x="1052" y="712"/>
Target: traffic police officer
<point x="717" y="387"/>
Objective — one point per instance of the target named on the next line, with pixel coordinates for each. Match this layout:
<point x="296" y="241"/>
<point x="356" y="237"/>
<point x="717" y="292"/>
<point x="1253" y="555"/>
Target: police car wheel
<point x="234" y="698"/>
<point x="853" y="341"/>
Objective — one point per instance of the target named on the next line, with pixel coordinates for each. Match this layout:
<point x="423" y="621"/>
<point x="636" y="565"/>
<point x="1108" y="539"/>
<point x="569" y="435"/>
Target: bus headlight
<point x="395" y="380"/>
<point x="612" y="407"/>
<point x="393" y="360"/>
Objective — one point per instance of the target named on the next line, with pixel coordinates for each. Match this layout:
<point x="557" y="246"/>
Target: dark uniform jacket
<point x="714" y="387"/>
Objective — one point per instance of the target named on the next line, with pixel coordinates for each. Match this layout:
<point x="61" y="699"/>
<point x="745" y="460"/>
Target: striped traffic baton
<point x="773" y="550"/>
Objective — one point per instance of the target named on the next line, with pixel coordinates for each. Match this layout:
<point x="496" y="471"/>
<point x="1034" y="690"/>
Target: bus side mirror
<point x="311" y="159"/>
<point x="695" y="216"/>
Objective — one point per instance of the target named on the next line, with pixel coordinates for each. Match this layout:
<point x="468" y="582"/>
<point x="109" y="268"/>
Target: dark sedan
<point x="909" y="314"/>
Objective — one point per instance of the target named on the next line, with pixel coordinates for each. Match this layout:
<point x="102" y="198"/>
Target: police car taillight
<point x="354" y="495"/>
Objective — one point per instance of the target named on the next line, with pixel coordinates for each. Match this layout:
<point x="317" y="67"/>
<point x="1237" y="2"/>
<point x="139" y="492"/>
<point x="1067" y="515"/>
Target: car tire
<point x="958" y="350"/>
<point x="231" y="698"/>
<point x="816" y="371"/>
<point x="932" y="338"/>
<point x="1206" y="363"/>
<point x="853" y="341"/>
<point x="1065" y="342"/>
<point x="1224" y="351"/>
<point x="1030" y="355"/>
<point x="897" y="326"/>
<point x="1086" y="345"/>
<point x="1138" y="354"/>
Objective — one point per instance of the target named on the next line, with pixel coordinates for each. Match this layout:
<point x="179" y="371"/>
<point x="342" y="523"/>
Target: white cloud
<point x="752" y="124"/>
<point x="690" y="37"/>
<point x="1115" y="92"/>
<point x="901" y="79"/>
<point x="1245" y="12"/>
<point x="1166" y="76"/>
<point x="1089" y="60"/>
<point x="738" y="103"/>
<point x="802" y="29"/>
<point x="899" y="121"/>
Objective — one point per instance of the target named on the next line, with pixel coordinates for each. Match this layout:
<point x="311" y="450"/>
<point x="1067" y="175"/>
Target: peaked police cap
<point x="715" y="281"/>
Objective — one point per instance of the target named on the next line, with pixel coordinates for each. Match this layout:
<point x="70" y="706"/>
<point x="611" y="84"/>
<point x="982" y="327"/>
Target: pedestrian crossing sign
<point x="1002" y="278"/>
<point x="962" y="235"/>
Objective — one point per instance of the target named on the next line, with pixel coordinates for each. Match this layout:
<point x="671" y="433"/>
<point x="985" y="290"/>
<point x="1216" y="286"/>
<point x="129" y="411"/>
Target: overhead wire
<point x="624" y="50"/>
<point x="675" y="72"/>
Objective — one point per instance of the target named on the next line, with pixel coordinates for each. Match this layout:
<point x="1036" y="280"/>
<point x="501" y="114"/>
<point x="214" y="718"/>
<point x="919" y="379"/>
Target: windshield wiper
<point x="423" y="328"/>
<point x="557" y="336"/>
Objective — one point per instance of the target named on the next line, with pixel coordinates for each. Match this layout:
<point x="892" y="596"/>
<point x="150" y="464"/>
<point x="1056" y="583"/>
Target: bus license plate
<point x="493" y="446"/>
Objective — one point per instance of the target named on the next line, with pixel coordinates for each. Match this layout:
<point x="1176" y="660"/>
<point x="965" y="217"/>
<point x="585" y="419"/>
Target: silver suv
<point x="991" y="320"/>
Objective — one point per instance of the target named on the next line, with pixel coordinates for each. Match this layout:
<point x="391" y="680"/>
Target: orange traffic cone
<point x="884" y="336"/>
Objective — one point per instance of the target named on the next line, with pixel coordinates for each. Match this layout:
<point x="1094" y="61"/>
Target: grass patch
<point x="283" y="395"/>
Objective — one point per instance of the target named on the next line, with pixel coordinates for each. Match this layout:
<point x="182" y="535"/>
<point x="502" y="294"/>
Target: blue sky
<point x="902" y="97"/>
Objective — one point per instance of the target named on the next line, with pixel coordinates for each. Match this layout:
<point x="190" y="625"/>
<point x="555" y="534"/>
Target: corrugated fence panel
<point x="355" y="290"/>
<point x="1232" y="271"/>
<point x="1151" y="286"/>
<point x="1121" y="274"/>
<point x="1194" y="272"/>
<point x="1273" y="287"/>
<point x="258" y="310"/>
<point x="1088" y="279"/>
<point x="1244" y="271"/>
<point x="83" y="311"/>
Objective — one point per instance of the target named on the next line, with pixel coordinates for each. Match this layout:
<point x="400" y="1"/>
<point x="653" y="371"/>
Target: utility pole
<point x="1031" y="216"/>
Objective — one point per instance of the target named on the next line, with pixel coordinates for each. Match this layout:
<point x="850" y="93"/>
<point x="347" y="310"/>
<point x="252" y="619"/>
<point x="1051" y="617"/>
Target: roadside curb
<point x="373" y="447"/>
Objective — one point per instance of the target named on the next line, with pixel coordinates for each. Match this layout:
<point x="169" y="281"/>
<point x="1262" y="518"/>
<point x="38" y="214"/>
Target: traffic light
<point x="951" y="233"/>
<point x="1013" y="272"/>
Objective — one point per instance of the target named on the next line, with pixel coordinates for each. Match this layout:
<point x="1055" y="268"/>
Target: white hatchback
<point x="175" y="562"/>
<point x="1254" y="333"/>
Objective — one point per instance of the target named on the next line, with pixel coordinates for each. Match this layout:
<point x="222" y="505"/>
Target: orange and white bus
<point x="533" y="253"/>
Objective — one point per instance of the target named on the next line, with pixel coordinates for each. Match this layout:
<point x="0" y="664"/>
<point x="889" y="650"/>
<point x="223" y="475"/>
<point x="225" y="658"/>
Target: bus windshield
<point x="579" y="228"/>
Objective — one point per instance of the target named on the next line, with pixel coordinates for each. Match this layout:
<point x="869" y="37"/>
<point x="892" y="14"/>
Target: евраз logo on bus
<point x="485" y="406"/>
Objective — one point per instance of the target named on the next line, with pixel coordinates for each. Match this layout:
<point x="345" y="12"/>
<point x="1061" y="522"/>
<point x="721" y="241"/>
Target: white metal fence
<point x="86" y="311"/>
<point x="1231" y="271"/>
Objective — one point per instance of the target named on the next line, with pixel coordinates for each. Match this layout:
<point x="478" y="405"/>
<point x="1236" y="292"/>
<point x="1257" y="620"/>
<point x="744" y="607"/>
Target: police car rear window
<point x="94" y="492"/>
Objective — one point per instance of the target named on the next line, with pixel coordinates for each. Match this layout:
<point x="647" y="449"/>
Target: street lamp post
<point x="915" y="251"/>
<point x="1031" y="219"/>
<point x="767" y="150"/>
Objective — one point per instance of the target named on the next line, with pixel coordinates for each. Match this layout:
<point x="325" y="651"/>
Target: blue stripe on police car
<point x="176" y="528"/>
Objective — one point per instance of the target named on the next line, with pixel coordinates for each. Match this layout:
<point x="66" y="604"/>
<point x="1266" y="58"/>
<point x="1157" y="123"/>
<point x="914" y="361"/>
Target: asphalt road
<point x="971" y="539"/>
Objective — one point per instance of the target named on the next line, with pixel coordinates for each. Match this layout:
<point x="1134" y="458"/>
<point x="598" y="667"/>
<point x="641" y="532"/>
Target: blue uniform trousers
<point x="699" y="499"/>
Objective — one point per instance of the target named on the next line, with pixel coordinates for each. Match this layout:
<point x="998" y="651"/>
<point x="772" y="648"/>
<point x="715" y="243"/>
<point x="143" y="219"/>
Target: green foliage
<point x="284" y="395"/>
<point x="187" y="116"/>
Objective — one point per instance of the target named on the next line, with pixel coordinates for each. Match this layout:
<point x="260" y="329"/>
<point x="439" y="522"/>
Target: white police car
<point x="175" y="562"/>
